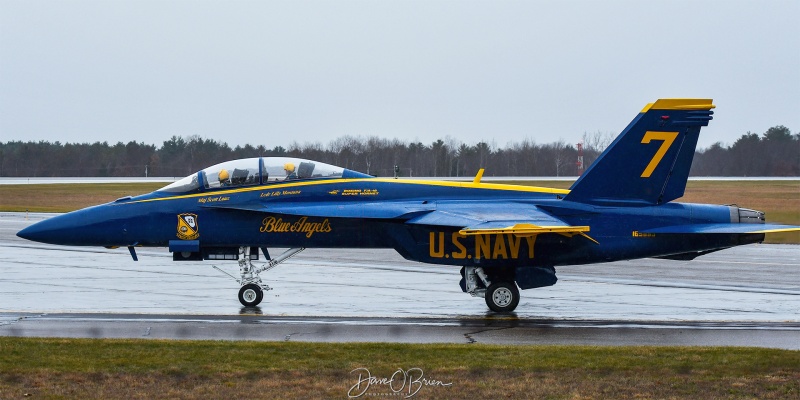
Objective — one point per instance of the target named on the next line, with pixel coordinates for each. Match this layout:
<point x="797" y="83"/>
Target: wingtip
<point x="779" y="230"/>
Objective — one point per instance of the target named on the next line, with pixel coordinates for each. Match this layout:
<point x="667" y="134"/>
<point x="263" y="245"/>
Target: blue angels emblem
<point x="187" y="226"/>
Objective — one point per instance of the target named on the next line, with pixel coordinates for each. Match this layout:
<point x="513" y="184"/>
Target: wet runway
<point x="743" y="296"/>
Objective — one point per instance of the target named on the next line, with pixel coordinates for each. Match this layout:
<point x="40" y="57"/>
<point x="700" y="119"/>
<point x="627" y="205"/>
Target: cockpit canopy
<point x="258" y="171"/>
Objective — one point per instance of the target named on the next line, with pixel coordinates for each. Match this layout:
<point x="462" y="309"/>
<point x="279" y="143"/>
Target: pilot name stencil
<point x="276" y="193"/>
<point x="212" y="199"/>
<point x="278" y="225"/>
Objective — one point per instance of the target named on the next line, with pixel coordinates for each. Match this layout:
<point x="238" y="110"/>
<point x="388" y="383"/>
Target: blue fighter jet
<point x="504" y="237"/>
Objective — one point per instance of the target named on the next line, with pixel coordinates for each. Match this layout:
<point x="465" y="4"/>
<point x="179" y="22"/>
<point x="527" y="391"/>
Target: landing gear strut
<point x="252" y="291"/>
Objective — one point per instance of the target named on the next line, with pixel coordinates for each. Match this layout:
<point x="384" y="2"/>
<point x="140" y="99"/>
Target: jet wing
<point x="724" y="228"/>
<point x="480" y="218"/>
<point x="493" y="214"/>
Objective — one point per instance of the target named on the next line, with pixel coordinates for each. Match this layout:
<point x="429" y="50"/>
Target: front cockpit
<point x="258" y="171"/>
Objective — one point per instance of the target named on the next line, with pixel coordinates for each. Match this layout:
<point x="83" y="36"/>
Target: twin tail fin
<point x="649" y="161"/>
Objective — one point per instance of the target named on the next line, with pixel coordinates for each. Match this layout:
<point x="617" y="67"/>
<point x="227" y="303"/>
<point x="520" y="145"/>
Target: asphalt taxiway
<point x="745" y="296"/>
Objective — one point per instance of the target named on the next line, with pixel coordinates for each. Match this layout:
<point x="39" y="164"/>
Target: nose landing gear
<point x="250" y="295"/>
<point x="252" y="291"/>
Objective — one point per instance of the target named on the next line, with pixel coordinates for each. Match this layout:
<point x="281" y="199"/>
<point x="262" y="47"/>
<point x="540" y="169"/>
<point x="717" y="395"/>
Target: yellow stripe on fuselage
<point x="274" y="186"/>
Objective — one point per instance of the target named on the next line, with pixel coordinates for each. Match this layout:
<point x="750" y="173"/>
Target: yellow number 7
<point x="667" y="139"/>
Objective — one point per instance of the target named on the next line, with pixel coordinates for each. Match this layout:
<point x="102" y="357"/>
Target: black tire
<point x="502" y="296"/>
<point x="250" y="295"/>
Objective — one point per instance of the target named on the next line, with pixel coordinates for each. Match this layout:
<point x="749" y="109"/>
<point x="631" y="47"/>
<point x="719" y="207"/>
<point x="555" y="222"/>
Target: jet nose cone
<point x="45" y="231"/>
<point x="94" y="226"/>
<point x="27" y="233"/>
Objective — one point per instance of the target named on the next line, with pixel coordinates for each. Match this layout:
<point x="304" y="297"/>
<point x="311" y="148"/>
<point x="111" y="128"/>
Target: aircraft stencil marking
<point x="489" y="246"/>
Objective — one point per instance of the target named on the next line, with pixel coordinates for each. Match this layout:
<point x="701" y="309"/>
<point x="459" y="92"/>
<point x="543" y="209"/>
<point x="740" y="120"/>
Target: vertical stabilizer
<point x="649" y="162"/>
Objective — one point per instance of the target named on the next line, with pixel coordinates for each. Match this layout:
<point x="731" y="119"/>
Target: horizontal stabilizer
<point x="724" y="228"/>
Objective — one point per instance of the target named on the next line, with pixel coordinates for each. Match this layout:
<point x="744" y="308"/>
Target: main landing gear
<point x="501" y="293"/>
<point x="252" y="291"/>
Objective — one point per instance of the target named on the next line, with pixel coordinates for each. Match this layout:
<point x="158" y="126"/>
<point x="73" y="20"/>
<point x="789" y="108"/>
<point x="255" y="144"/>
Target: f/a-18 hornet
<point x="504" y="237"/>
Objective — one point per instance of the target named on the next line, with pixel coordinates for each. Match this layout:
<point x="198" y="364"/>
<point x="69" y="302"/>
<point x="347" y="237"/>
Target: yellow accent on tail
<point x="679" y="104"/>
<point x="478" y="177"/>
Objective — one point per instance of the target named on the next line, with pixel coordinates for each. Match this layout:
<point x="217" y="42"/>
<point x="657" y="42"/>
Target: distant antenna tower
<point x="580" y="158"/>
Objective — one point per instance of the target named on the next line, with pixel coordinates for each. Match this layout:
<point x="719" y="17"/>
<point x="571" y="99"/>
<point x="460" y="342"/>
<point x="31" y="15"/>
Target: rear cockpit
<point x="258" y="171"/>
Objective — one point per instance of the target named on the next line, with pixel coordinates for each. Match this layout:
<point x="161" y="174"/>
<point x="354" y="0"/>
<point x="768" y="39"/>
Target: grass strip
<point x="65" y="197"/>
<point x="108" y="368"/>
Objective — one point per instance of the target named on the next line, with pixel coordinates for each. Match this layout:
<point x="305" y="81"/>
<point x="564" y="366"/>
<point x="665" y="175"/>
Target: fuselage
<point x="242" y="216"/>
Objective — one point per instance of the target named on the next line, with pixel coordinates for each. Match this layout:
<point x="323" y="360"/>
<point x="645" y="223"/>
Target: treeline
<point x="775" y="153"/>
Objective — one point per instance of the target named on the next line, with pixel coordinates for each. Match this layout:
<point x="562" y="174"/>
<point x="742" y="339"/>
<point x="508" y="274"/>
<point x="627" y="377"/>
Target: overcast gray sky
<point x="266" y="72"/>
